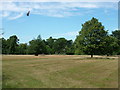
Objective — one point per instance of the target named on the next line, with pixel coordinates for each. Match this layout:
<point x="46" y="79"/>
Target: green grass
<point x="59" y="72"/>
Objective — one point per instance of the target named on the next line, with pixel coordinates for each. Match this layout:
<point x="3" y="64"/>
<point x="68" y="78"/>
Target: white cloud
<point x="54" y="9"/>
<point x="73" y="33"/>
<point x="67" y="34"/>
<point x="18" y="16"/>
<point x="4" y="14"/>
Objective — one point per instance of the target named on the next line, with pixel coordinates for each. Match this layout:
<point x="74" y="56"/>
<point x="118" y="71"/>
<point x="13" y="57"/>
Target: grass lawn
<point x="59" y="71"/>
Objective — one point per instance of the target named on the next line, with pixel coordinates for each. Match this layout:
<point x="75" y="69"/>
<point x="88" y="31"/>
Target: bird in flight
<point x="28" y="13"/>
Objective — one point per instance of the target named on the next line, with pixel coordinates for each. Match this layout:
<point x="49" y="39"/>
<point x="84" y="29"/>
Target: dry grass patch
<point x="59" y="71"/>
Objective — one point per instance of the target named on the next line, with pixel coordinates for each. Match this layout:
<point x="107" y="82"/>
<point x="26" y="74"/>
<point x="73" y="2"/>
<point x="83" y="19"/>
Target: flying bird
<point x="28" y="13"/>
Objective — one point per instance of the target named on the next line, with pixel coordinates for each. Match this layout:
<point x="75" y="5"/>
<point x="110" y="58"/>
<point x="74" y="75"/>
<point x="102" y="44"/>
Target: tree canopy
<point x="93" y="39"/>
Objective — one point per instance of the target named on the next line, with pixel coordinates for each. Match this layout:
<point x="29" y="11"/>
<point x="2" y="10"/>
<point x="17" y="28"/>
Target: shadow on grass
<point x="95" y="58"/>
<point x="101" y="58"/>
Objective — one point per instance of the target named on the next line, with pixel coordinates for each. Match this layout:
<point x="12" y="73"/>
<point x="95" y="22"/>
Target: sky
<point x="56" y="19"/>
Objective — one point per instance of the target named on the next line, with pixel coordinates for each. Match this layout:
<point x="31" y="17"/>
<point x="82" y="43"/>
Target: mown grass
<point x="59" y="72"/>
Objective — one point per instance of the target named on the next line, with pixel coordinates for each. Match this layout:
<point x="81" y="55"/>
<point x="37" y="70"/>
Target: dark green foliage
<point x="10" y="45"/>
<point x="111" y="46"/>
<point x="59" y="46"/>
<point x="4" y="46"/>
<point x="13" y="43"/>
<point x="37" y="46"/>
<point x="50" y="45"/>
<point x="69" y="47"/>
<point x="116" y="34"/>
<point x="91" y="38"/>
<point x="22" y="48"/>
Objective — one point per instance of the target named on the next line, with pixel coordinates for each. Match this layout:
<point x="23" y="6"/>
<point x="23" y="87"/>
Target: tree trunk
<point x="36" y="54"/>
<point x="91" y="55"/>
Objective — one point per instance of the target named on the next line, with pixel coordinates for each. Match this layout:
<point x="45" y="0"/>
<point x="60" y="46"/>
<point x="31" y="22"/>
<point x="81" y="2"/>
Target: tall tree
<point x="12" y="43"/>
<point x="37" y="46"/>
<point x="91" y="38"/>
<point x="50" y="45"/>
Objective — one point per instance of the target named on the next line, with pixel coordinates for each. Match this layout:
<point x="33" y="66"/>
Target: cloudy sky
<point x="56" y="19"/>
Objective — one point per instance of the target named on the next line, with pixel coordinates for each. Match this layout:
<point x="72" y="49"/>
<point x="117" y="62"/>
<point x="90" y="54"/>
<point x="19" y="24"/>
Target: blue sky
<point x="56" y="19"/>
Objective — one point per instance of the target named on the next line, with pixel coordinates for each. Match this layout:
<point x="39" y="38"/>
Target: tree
<point x="91" y="38"/>
<point x="37" y="46"/>
<point x="50" y="45"/>
<point x="22" y="48"/>
<point x="59" y="46"/>
<point x="111" y="46"/>
<point x="4" y="45"/>
<point x="116" y="34"/>
<point x="69" y="47"/>
<point x="12" y="43"/>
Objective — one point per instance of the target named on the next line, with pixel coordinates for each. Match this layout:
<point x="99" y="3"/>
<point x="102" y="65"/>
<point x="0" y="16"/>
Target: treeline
<point x="93" y="39"/>
<point x="37" y="46"/>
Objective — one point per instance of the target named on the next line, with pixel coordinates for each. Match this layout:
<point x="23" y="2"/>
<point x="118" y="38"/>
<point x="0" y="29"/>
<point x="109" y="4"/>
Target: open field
<point x="59" y="71"/>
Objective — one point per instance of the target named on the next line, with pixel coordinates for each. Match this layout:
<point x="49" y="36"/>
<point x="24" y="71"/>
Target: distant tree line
<point x="93" y="39"/>
<point x="37" y="46"/>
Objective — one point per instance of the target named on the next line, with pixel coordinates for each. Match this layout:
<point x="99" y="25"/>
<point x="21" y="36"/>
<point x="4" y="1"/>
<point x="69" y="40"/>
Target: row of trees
<point x="37" y="46"/>
<point x="93" y="39"/>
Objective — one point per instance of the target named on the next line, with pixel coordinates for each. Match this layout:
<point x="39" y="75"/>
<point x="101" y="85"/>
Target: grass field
<point x="59" y="71"/>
